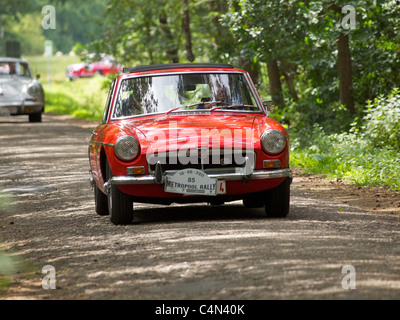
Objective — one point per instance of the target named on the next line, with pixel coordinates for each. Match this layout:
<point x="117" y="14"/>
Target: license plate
<point x="221" y="187"/>
<point x="29" y="110"/>
<point x="191" y="181"/>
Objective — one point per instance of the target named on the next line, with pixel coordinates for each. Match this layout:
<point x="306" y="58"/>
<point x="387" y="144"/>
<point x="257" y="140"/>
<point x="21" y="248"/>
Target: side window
<point x="108" y="103"/>
<point x="25" y="70"/>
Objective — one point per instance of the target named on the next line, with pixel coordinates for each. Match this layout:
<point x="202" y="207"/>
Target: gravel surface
<point x="179" y="251"/>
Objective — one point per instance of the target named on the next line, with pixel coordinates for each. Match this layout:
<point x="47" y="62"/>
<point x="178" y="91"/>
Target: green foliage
<point x="77" y="21"/>
<point x="382" y="122"/>
<point x="83" y="98"/>
<point x="138" y="32"/>
<point x="367" y="155"/>
<point x="304" y="35"/>
<point x="20" y="26"/>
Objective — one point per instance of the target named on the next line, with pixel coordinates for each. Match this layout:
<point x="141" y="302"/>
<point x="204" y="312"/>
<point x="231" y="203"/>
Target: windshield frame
<point x="258" y="103"/>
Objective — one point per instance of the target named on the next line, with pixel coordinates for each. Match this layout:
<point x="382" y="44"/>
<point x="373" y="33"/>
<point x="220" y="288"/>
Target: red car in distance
<point x="88" y="70"/>
<point x="187" y="133"/>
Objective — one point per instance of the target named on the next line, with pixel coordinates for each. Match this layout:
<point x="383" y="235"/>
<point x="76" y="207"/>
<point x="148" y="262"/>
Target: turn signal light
<point x="271" y="164"/>
<point x="131" y="171"/>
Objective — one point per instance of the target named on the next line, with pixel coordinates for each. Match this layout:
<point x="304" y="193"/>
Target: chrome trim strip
<point x="101" y="143"/>
<point x="240" y="175"/>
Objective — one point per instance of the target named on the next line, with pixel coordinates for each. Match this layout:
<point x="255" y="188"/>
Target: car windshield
<point x="9" y="68"/>
<point x="184" y="92"/>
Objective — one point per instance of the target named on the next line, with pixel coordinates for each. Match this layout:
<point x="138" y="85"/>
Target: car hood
<point x="13" y="85"/>
<point x="194" y="131"/>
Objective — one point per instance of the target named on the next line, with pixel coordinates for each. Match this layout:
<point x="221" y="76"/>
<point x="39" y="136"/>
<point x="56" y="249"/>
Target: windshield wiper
<point x="194" y="105"/>
<point x="173" y="109"/>
<point x="234" y="106"/>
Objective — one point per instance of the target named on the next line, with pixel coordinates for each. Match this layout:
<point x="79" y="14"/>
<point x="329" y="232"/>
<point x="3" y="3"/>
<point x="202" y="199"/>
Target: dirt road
<point x="324" y="249"/>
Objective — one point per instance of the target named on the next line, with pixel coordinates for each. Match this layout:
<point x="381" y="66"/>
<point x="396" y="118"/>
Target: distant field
<point x="58" y="65"/>
<point x="81" y="98"/>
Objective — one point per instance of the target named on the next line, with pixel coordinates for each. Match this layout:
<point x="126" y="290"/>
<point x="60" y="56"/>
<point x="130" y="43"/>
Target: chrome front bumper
<point x="255" y="175"/>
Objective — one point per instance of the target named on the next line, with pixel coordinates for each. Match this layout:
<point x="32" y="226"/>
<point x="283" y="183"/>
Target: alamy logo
<point x="212" y="147"/>
<point x="349" y="280"/>
<point x="49" y="20"/>
<point x="349" y="20"/>
<point x="49" y="281"/>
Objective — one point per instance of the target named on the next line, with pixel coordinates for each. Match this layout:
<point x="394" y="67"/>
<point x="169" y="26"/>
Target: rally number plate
<point x="191" y="181"/>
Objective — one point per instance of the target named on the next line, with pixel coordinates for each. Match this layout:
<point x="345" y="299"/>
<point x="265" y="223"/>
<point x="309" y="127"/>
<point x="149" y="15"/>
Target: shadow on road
<point x="181" y="213"/>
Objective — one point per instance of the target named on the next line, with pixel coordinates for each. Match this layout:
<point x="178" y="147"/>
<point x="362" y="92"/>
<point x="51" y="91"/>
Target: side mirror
<point x="269" y="105"/>
<point x="38" y="76"/>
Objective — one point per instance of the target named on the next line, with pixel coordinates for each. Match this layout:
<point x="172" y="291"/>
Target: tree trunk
<point x="172" y="50"/>
<point x="186" y="30"/>
<point x="288" y="73"/>
<point x="345" y="73"/>
<point x="275" y="82"/>
<point x="344" y="67"/>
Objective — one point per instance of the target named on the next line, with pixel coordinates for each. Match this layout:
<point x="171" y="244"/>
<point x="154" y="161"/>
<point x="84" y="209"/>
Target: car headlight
<point x="126" y="148"/>
<point x="273" y="141"/>
<point x="34" y="91"/>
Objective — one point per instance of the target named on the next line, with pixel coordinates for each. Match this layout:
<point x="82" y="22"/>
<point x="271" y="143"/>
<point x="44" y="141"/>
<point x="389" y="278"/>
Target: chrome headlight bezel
<point x="273" y="141"/>
<point x="127" y="148"/>
<point x="34" y="91"/>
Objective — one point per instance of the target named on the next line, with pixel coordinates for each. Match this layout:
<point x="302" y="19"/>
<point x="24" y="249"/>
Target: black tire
<point x="101" y="202"/>
<point x="35" y="117"/>
<point x="120" y="205"/>
<point x="277" y="200"/>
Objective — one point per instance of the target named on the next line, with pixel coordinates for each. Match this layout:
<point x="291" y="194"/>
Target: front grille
<point x="207" y="160"/>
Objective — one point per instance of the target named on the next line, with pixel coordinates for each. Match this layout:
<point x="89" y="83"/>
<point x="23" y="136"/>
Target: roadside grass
<point x="348" y="156"/>
<point x="81" y="98"/>
<point x="362" y="167"/>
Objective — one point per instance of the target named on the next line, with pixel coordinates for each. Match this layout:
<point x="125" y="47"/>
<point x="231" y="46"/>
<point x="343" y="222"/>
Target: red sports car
<point x="185" y="133"/>
<point x="88" y="70"/>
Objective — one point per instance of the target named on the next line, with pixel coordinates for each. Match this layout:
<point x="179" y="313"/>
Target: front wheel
<point x="277" y="200"/>
<point x="120" y="205"/>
